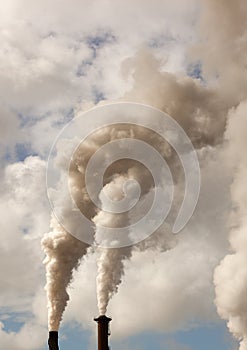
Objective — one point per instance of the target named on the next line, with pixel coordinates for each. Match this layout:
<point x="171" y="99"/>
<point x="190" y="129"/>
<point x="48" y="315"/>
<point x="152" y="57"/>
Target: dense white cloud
<point x="24" y="218"/>
<point x="54" y="53"/>
<point x="57" y="57"/>
<point x="230" y="276"/>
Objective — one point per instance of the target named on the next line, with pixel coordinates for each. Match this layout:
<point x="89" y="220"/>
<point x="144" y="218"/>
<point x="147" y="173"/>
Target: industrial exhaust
<point x="53" y="340"/>
<point x="103" y="332"/>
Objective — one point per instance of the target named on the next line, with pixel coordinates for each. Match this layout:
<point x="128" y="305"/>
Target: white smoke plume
<point x="110" y="265"/>
<point x="110" y="262"/>
<point x="63" y="254"/>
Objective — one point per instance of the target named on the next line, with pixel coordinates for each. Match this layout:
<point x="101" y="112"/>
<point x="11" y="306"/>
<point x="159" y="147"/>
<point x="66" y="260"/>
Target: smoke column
<point x="110" y="271"/>
<point x="63" y="254"/>
<point x="110" y="262"/>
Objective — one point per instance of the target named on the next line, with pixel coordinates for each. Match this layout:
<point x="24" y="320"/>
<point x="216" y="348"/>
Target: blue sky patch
<point x="194" y="70"/>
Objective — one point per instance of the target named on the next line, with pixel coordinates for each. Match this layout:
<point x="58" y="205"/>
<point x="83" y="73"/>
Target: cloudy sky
<point x="185" y="57"/>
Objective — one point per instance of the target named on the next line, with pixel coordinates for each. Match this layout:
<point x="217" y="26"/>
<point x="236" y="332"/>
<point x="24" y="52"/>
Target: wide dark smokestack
<point x="53" y="340"/>
<point x="103" y="332"/>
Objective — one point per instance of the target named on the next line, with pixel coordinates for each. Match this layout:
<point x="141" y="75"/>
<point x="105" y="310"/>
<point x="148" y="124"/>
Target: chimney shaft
<point x="103" y="332"/>
<point x="53" y="340"/>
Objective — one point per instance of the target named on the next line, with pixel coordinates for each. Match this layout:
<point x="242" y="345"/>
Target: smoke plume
<point x="110" y="265"/>
<point x="63" y="254"/>
<point x="110" y="262"/>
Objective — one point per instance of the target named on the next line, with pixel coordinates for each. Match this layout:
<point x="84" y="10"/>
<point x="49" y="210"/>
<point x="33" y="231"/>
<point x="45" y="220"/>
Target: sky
<point x="186" y="58"/>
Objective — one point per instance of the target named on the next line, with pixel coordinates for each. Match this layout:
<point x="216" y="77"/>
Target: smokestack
<point x="103" y="332"/>
<point x="53" y="340"/>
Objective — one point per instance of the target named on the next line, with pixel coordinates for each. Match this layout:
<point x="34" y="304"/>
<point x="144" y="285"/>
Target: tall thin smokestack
<point x="53" y="340"/>
<point x="103" y="332"/>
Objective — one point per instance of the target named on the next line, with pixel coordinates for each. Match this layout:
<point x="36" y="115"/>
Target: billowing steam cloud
<point x="63" y="251"/>
<point x="231" y="275"/>
<point x="110" y="271"/>
<point x="110" y="262"/>
<point x="229" y="42"/>
<point x="202" y="110"/>
<point x="63" y="254"/>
